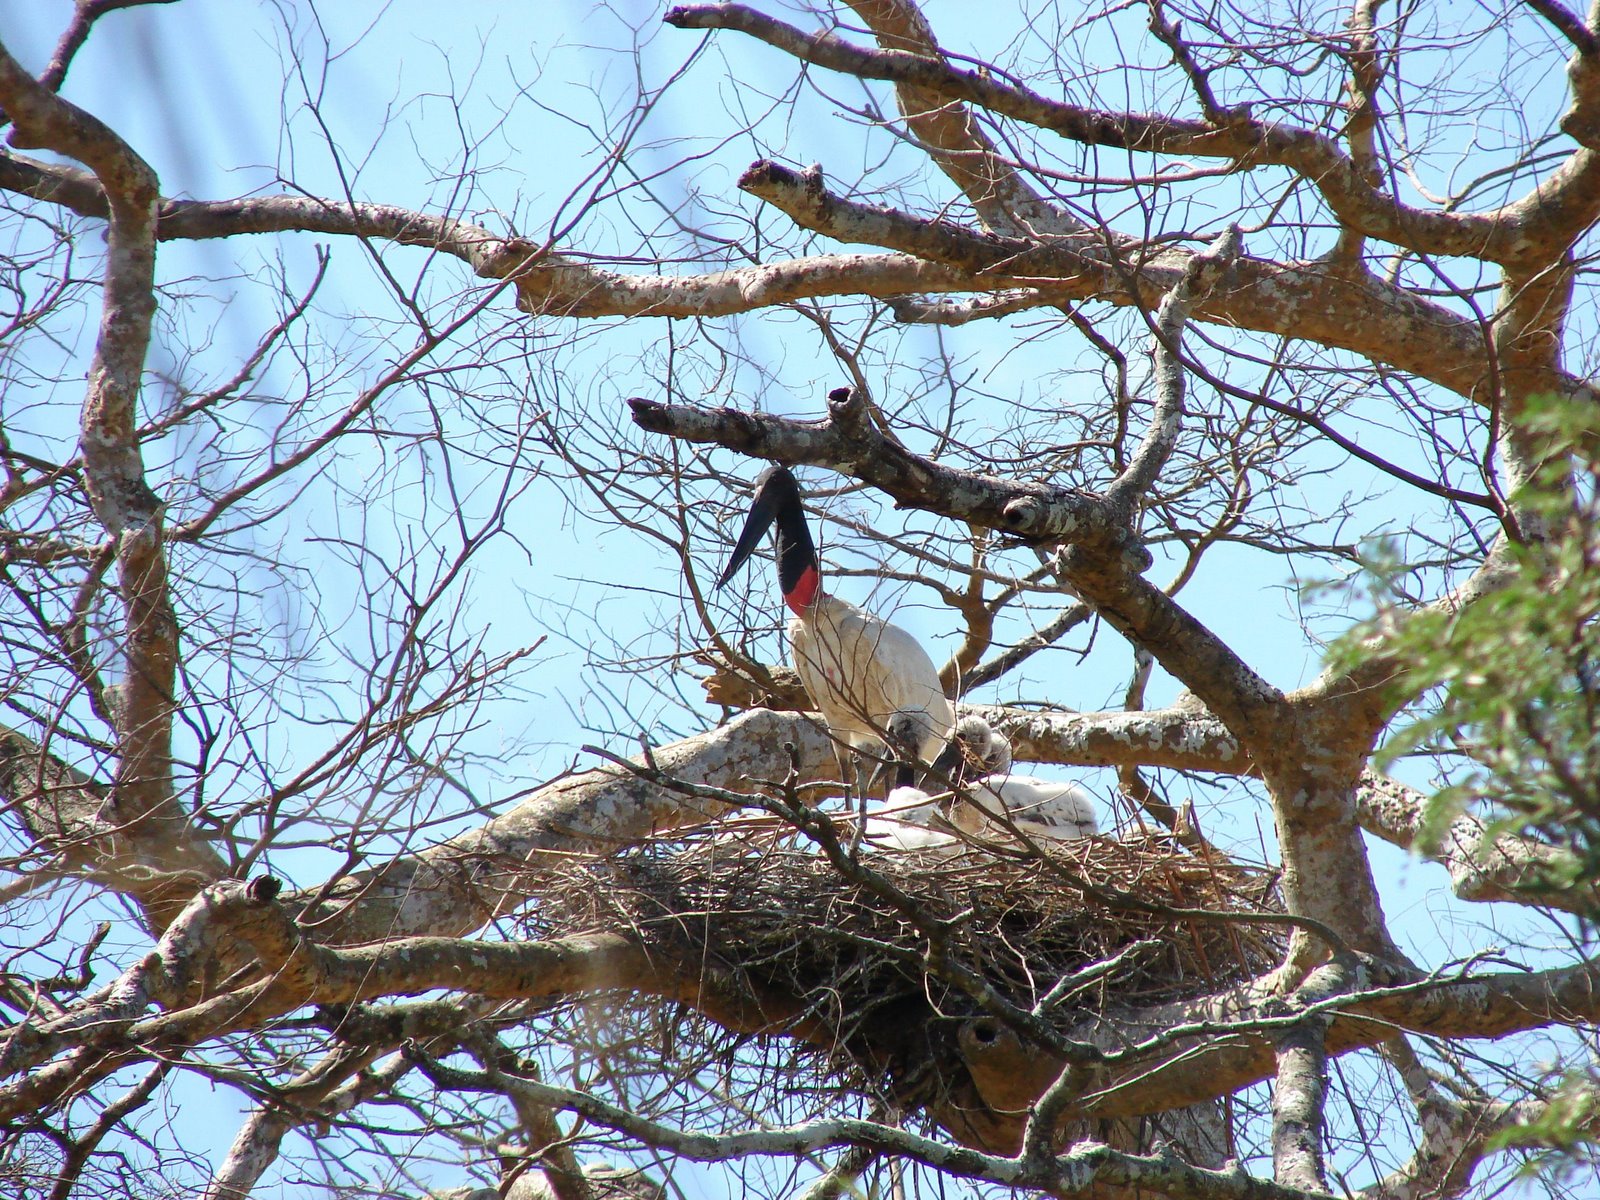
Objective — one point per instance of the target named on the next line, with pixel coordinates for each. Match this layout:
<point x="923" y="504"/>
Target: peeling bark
<point x="1298" y="1093"/>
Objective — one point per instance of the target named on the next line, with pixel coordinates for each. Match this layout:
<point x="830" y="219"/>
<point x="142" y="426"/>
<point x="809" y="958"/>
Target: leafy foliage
<point x="1514" y="678"/>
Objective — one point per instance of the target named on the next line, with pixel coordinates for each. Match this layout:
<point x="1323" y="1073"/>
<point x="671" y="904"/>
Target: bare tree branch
<point x="1201" y="274"/>
<point x="84" y="14"/>
<point x="998" y="193"/>
<point x="1244" y="138"/>
<point x="337" y="534"/>
<point x="1072" y="1173"/>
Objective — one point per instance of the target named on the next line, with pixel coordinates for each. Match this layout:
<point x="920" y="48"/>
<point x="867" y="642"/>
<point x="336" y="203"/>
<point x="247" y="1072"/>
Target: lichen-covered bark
<point x="456" y="887"/>
<point x="234" y="960"/>
<point x="141" y="795"/>
<point x="999" y="195"/>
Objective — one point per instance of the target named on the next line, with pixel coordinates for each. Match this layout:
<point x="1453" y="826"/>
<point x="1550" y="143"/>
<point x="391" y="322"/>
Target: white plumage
<point x="858" y="669"/>
<point x="901" y="823"/>
<point x="861" y="672"/>
<point x="986" y="796"/>
<point x="975" y="749"/>
<point x="1038" y="808"/>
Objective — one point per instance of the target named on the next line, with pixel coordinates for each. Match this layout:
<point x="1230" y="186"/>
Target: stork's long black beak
<point x="762" y="513"/>
<point x="950" y="763"/>
<point x="774" y="488"/>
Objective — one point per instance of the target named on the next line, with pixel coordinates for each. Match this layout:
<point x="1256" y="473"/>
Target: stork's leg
<point x="873" y="779"/>
<point x="861" y="823"/>
<point x="847" y="770"/>
<point x="879" y="770"/>
<point x="854" y="789"/>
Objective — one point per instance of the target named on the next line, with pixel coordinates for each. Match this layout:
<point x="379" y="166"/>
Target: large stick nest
<point x="780" y="916"/>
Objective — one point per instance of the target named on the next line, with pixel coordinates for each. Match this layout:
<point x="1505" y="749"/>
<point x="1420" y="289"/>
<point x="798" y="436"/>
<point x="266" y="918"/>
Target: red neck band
<point x="800" y="597"/>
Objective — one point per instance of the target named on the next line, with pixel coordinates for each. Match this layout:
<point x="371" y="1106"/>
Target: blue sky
<point x="515" y="94"/>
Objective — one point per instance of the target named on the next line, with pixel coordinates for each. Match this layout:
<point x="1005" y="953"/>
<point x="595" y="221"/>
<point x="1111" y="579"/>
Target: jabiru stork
<point x="859" y="670"/>
<point x="904" y="821"/>
<point x="988" y="800"/>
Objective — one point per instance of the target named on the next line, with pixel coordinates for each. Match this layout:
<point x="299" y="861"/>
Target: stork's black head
<point x="904" y="734"/>
<point x="777" y="500"/>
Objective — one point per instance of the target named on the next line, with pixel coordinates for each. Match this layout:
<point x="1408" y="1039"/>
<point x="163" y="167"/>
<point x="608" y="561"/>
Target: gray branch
<point x="1200" y="275"/>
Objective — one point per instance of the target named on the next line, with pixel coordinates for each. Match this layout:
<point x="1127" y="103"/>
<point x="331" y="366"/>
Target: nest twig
<point x="752" y="900"/>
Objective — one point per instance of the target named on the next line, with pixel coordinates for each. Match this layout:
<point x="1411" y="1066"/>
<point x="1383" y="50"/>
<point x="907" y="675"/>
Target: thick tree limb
<point x="1300" y="1089"/>
<point x="1298" y="1092"/>
<point x="950" y="135"/>
<point x="1200" y="275"/>
<point x="845" y="441"/>
<point x="1302" y="300"/>
<point x="1454" y="1143"/>
<point x="1178" y="738"/>
<point x="324" y="1090"/>
<point x="1305" y="300"/>
<point x="134" y="827"/>
<point x="1355" y="312"/>
<point x="1208" y="1047"/>
<point x="157" y="865"/>
<point x="113" y="465"/>
<point x="1343" y="712"/>
<point x="456" y="887"/>
<point x="1503" y="867"/>
<point x="490" y="255"/>
<point x="291" y="971"/>
<point x="1556" y="211"/>
<point x="1527" y="341"/>
<point x="1184" y="738"/>
<point x="1202" y="1049"/>
<point x="1581" y="121"/>
<point x="1490" y="1006"/>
